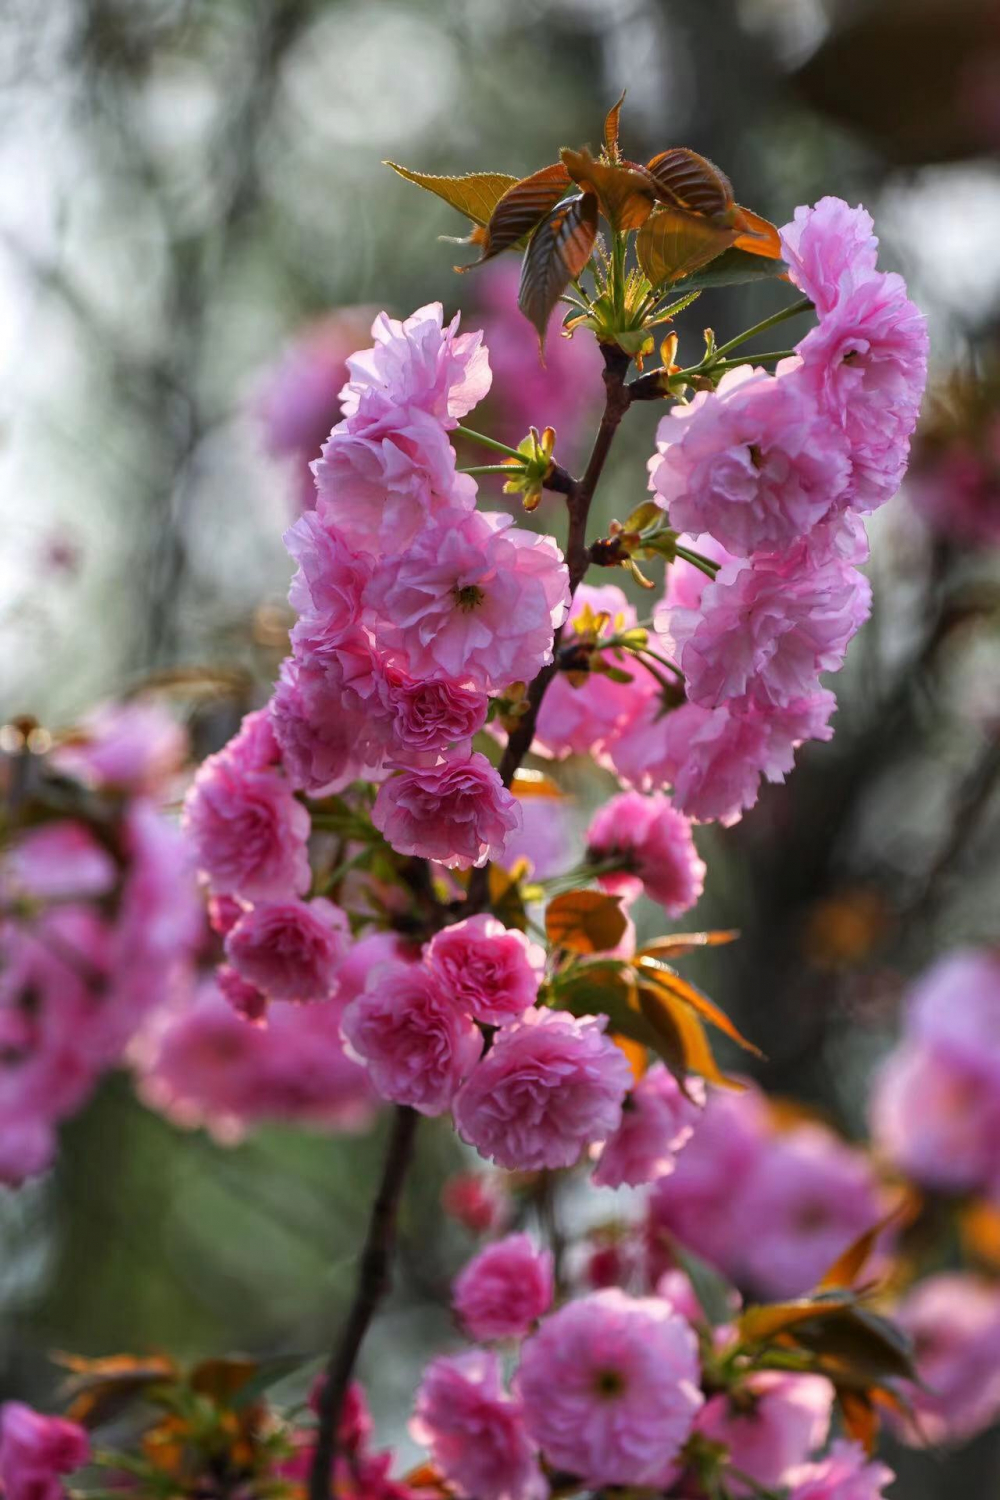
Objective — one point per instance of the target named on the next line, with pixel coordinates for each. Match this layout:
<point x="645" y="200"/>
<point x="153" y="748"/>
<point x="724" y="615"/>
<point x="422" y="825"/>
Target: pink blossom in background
<point x="457" y="811"/>
<point x="421" y="362"/>
<point x="954" y="1322"/>
<point x="245" y="998"/>
<point x="223" y="913"/>
<point x="957" y="491"/>
<point x="610" y="1388"/>
<point x="771" y="1424"/>
<point x="247" y="831"/>
<point x="658" y="1121"/>
<point x="477" y="1201"/>
<point x="417" y="1045"/>
<point x="290" y="950"/>
<point x="504" y="1289"/>
<point x="755" y="462"/>
<point x="36" y="1451"/>
<point x="655" y="842"/>
<point x="475" y="1431"/>
<point x="550" y="1085"/>
<point x="473" y="598"/>
<point x="829" y="248"/>
<point x="545" y="837"/>
<point x="489" y="970"/>
<point x="845" y="1474"/>
<point x="134" y="747"/>
<point x="57" y="862"/>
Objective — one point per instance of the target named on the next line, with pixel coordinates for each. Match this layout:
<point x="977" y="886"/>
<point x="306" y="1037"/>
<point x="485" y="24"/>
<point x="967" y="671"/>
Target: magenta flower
<point x="954" y="1322"/>
<point x="756" y="462"/>
<point x="658" y="1121"/>
<point x="290" y="950"/>
<point x="320" y="722"/>
<point x="550" y="1085"/>
<point x="489" y="970"/>
<point x="654" y="840"/>
<point x="419" y="362"/>
<point x="475" y="1431"/>
<point x="772" y="1424"/>
<point x="504" y="1289"/>
<point x="417" y="1045"/>
<point x="248" y="832"/>
<point x="57" y="862"/>
<point x="35" y="1451"/>
<point x="245" y="998"/>
<point x="610" y="1389"/>
<point x="474" y="598"/>
<point x="135" y="747"/>
<point x="457" y="812"/>
<point x="426" y="716"/>
<point x="845" y="1474"/>
<point x="829" y="249"/>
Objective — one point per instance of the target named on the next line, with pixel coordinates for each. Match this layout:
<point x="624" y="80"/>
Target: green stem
<point x="757" y="359"/>
<point x="703" y="564"/>
<point x="618" y="290"/>
<point x="488" y="442"/>
<point x="507" y="469"/>
<point x="792" y="311"/>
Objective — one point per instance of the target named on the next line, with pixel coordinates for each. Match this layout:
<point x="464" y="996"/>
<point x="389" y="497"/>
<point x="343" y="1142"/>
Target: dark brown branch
<point x="373" y="1283"/>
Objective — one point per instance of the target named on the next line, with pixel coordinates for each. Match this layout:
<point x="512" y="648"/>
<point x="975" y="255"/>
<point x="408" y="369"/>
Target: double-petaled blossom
<point x="610" y="1386"/>
<point x="422" y="363"/>
<point x="504" y="1289"/>
<point x="653" y="842"/>
<point x="829" y="249"/>
<point x="489" y="970"/>
<point x="550" y="1085"/>
<point x="290" y="950"/>
<point x="456" y="811"/>
<point x="846" y="1473"/>
<point x="476" y="1431"/>
<point x="771" y="1423"/>
<point x="657" y="1122"/>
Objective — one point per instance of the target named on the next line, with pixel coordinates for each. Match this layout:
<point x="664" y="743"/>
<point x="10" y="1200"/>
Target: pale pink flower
<point x="135" y="747"/>
<point x="473" y="598"/>
<point x="550" y="1085"/>
<point x="756" y="462"/>
<point x="765" y="630"/>
<point x="57" y="862"/>
<point x="954" y="1322"/>
<point x="683" y="583"/>
<point x="610" y="1388"/>
<point x="504" y="1289"/>
<point x="27" y="1148"/>
<point x="253" y="746"/>
<point x="654" y="841"/>
<point x="290" y="950"/>
<point x="331" y="578"/>
<point x="773" y="1423"/>
<point x="489" y="970"/>
<point x="845" y="1474"/>
<point x="546" y="837"/>
<point x="420" y="362"/>
<point x="457" y="811"/>
<point x="248" y="832"/>
<point x="829" y="248"/>
<point x="657" y="1122"/>
<point x="475" y="1431"/>
<point x="425" y="716"/>
<point x="416" y="1044"/>
<point x="35" y="1451"/>
<point x="325" y="737"/>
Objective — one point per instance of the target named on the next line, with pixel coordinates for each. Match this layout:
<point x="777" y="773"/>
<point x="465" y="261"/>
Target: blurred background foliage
<point x="184" y="186"/>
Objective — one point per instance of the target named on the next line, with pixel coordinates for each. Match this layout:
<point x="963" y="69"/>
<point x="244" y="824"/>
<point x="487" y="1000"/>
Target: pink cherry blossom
<point x="954" y="1322"/>
<point x="245" y="998"/>
<point x="756" y="462"/>
<point x="290" y="950"/>
<point x="610" y="1388"/>
<point x="504" y="1289"/>
<point x="420" y="362"/>
<point x="654" y="840"/>
<point x="550" y="1085"/>
<point x="457" y="811"/>
<point x="35" y="1451"/>
<point x="829" y="249"/>
<point x="489" y="970"/>
<point x="425" y="716"/>
<point x="56" y="862"/>
<point x="328" y="586"/>
<point x="473" y="598"/>
<point x="476" y="1200"/>
<point x="416" y="1044"/>
<point x="322" y="729"/>
<point x="135" y="747"/>
<point x="845" y="1474"/>
<point x="475" y="1431"/>
<point x="247" y="831"/>
<point x="772" y="1423"/>
<point x="658" y="1121"/>
<point x="254" y="747"/>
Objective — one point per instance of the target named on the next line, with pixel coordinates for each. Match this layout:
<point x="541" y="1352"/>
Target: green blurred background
<point x="184" y="184"/>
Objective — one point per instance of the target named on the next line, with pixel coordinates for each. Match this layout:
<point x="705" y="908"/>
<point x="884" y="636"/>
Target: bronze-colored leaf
<point x="97" y="1389"/>
<point x="979" y="1228"/>
<point x="674" y="244"/>
<point x="669" y="983"/>
<point x="612" y="122"/>
<point x="846" y="1268"/>
<point x="636" y="1053"/>
<point x="683" y="1044"/>
<point x="734" y="267"/>
<point x="506" y="901"/>
<point x="688" y="181"/>
<point x="523" y="206"/>
<point x="476" y="195"/>
<point x="859" y="1417"/>
<point x="221" y="1378"/>
<point x="557" y="251"/>
<point x="585" y="922"/>
<point x="676" y="944"/>
<point x="626" y="192"/>
<point x="759" y="1324"/>
<point x="756" y="236"/>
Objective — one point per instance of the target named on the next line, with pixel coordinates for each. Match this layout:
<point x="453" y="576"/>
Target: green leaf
<point x="557" y="252"/>
<point x="476" y="195"/>
<point x="733" y="267"/>
<point x="716" y="1296"/>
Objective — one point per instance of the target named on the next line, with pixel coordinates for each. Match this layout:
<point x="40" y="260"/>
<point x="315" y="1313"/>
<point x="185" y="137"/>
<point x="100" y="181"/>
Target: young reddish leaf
<point x="683" y="1043"/>
<point x="676" y="944"/>
<point x="688" y="181"/>
<point x="557" y="251"/>
<point x="476" y="195"/>
<point x="626" y="192"/>
<point x="506" y="901"/>
<point x="859" y="1417"/>
<point x="857" y="1348"/>
<point x="636" y="1053"/>
<point x="585" y="922"/>
<point x="522" y="206"/>
<point x="607" y="990"/>
<point x="760" y="1324"/>
<point x="669" y="983"/>
<point x="674" y="244"/>
<point x="223" y="1377"/>
<point x="99" y="1388"/>
<point x="612" y="121"/>
<point x="734" y="267"/>
<point x="756" y="235"/>
<point x="846" y="1268"/>
<point x="979" y="1228"/>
